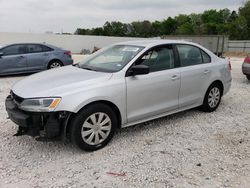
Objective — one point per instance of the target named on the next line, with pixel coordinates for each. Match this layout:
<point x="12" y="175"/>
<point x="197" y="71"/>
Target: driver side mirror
<point x="139" y="70"/>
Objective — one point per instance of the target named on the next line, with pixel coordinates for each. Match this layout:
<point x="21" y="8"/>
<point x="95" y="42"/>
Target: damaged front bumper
<point x="43" y="125"/>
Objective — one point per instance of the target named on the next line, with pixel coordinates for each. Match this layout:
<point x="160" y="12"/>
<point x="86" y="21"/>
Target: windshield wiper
<point x="84" y="67"/>
<point x="88" y="68"/>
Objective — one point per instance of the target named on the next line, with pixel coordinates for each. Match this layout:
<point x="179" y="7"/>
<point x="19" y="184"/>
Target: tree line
<point x="235" y="24"/>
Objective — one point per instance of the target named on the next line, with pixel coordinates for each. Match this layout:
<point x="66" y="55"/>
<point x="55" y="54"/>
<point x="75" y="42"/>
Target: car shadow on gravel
<point x="15" y="75"/>
<point x="136" y="130"/>
<point x="168" y="124"/>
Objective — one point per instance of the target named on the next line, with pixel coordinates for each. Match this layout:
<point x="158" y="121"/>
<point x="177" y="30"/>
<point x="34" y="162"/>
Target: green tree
<point x="245" y="13"/>
<point x="212" y="22"/>
<point x="184" y="25"/>
<point x="97" y="31"/>
<point x="157" y="28"/>
<point x="107" y="29"/>
<point x="196" y="21"/>
<point x="169" y="26"/>
<point x="212" y="16"/>
<point x="225" y="15"/>
<point x="185" y="29"/>
<point x="142" y="29"/>
<point x="233" y="16"/>
<point x="238" y="29"/>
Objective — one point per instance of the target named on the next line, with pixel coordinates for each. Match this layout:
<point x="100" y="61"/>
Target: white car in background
<point x="118" y="86"/>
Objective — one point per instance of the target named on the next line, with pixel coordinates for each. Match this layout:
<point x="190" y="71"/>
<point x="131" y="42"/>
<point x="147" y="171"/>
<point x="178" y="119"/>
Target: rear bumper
<point x="49" y="125"/>
<point x="68" y="62"/>
<point x="246" y="68"/>
<point x="227" y="87"/>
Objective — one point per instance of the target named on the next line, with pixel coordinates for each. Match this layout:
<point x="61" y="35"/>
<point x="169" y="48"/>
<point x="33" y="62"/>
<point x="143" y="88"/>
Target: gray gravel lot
<point x="189" y="149"/>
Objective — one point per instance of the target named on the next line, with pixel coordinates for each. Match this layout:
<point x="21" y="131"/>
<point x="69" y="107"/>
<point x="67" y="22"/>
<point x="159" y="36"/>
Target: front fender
<point x="114" y="92"/>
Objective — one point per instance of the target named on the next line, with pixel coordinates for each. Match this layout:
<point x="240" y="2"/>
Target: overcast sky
<point x="39" y="16"/>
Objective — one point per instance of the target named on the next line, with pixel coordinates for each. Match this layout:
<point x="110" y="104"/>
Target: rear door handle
<point x="206" y="71"/>
<point x="174" y="77"/>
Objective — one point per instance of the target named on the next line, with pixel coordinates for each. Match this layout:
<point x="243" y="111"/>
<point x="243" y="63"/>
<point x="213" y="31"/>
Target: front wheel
<point x="248" y="77"/>
<point x="212" y="98"/>
<point x="93" y="127"/>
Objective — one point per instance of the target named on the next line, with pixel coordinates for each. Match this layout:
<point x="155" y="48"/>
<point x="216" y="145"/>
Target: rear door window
<point x="189" y="55"/>
<point x="34" y="48"/>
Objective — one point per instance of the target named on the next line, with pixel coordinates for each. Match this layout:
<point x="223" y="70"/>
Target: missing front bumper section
<point x="49" y="125"/>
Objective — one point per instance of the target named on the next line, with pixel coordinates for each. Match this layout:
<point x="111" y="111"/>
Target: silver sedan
<point x="118" y="86"/>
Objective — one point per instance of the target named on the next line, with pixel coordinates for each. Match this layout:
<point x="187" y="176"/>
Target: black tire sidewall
<point x="248" y="77"/>
<point x="57" y="61"/>
<point x="77" y="123"/>
<point x="206" y="107"/>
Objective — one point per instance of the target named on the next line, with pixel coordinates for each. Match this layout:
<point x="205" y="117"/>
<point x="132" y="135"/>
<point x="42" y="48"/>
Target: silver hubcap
<point x="214" y="97"/>
<point x="96" y="128"/>
<point x="55" y="65"/>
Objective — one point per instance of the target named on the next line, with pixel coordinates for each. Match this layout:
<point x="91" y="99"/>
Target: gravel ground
<point x="189" y="149"/>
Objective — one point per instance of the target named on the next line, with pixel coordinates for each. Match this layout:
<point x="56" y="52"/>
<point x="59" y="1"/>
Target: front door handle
<point x="174" y="77"/>
<point x="206" y="71"/>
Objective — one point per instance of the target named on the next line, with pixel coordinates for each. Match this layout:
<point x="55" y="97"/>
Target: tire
<point x="212" y="98"/>
<point x="248" y="77"/>
<point x="55" y="64"/>
<point x="84" y="131"/>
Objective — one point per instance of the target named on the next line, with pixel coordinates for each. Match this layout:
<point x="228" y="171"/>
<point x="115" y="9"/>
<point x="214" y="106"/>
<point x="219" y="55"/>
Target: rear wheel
<point x="248" y="77"/>
<point x="93" y="127"/>
<point x="55" y="64"/>
<point x="212" y="98"/>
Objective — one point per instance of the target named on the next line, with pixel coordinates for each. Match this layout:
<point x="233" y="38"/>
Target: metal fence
<point x="239" y="46"/>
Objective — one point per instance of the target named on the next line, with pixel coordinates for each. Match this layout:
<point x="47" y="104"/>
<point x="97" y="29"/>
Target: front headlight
<point x="40" y="104"/>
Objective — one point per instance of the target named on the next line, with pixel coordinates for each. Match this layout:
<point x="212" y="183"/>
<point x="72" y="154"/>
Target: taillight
<point x="229" y="65"/>
<point x="247" y="60"/>
<point x="67" y="53"/>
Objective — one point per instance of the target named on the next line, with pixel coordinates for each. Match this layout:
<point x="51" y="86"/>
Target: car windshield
<point x="111" y="59"/>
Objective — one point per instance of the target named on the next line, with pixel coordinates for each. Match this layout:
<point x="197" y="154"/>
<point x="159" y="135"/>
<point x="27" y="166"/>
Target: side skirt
<point x="158" y="116"/>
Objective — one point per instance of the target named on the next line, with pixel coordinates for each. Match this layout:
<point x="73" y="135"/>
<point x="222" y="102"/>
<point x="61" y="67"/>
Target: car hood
<point x="57" y="82"/>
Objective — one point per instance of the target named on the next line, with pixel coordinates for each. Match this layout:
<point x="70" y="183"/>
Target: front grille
<point x="16" y="97"/>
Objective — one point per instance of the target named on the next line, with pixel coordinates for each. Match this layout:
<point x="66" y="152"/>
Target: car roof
<point x="151" y="42"/>
<point x="27" y="43"/>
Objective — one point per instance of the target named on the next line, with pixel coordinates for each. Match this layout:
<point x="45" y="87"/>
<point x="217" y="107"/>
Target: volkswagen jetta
<point x="118" y="86"/>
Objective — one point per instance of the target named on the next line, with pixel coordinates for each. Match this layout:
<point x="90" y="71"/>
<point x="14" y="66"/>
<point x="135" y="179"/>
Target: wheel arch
<point x="52" y="60"/>
<point x="106" y="102"/>
<point x="220" y="83"/>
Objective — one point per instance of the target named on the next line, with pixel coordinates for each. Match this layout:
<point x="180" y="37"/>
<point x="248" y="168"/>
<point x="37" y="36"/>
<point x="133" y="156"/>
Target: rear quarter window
<point x="46" y="48"/>
<point x="206" y="57"/>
